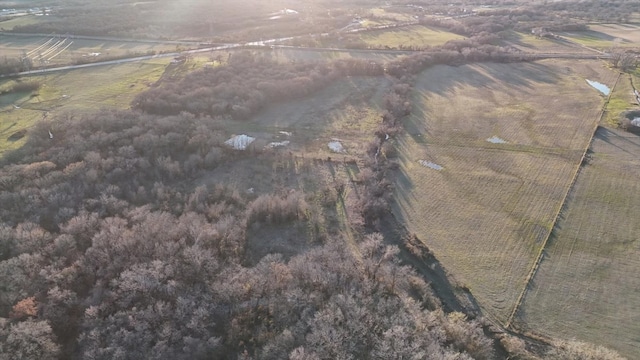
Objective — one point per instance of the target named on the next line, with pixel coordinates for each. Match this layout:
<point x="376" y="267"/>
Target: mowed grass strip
<point x="486" y="213"/>
<point x="587" y="285"/>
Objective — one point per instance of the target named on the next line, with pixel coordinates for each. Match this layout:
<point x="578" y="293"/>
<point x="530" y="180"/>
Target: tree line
<point x="248" y="83"/>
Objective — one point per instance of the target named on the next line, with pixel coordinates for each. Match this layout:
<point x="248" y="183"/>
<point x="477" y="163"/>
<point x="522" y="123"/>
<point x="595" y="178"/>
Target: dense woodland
<point x="109" y="251"/>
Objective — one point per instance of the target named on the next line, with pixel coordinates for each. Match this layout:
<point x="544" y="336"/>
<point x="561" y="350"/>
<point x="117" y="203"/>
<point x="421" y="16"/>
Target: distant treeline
<point x="14" y="65"/>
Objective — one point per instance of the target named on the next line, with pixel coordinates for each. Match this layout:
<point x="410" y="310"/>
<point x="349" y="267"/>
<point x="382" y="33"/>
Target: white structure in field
<point x="240" y="142"/>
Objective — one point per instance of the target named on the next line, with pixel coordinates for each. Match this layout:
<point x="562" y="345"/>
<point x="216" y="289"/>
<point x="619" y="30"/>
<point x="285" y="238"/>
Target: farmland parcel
<point x="587" y="285"/>
<point x="487" y="212"/>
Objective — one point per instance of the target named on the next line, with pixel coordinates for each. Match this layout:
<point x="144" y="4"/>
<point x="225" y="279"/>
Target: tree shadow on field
<point x="443" y="79"/>
<point x="629" y="144"/>
<point x="526" y="74"/>
<point x="483" y="79"/>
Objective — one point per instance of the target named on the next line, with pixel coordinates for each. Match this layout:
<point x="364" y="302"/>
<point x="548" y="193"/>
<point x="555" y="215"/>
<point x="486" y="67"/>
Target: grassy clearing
<point x="349" y="109"/>
<point x="622" y="99"/>
<point x="328" y="216"/>
<point x="530" y="43"/>
<point x="486" y="213"/>
<point x="408" y="36"/>
<point x="586" y="285"/>
<point x="42" y="49"/>
<point x="20" y="21"/>
<point x="87" y="89"/>
<point x="389" y="14"/>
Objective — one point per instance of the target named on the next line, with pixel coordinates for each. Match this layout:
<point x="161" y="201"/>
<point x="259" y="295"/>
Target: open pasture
<point x="60" y="50"/>
<point x="485" y="207"/>
<point x="418" y="36"/>
<point x="531" y="43"/>
<point x="587" y="284"/>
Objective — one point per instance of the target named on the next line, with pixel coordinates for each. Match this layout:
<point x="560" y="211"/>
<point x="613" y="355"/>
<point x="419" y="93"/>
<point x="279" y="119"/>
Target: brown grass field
<point x="587" y="285"/>
<point x="348" y="110"/>
<point x="486" y="214"/>
<point x="604" y="36"/>
<point x="531" y="43"/>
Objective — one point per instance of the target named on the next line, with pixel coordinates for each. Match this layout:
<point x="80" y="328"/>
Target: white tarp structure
<point x="496" y="140"/>
<point x="430" y="165"/>
<point x="336" y="146"/>
<point x="240" y="142"/>
<point x="276" y="144"/>
<point x="636" y="122"/>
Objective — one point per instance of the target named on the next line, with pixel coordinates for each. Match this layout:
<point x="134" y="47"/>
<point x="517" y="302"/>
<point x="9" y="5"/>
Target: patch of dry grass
<point x="587" y="285"/>
<point x="486" y="213"/>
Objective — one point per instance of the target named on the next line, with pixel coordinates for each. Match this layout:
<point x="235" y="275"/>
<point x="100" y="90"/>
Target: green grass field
<point x="9" y="24"/>
<point x="86" y="89"/>
<point x="486" y="213"/>
<point x="410" y="36"/>
<point x="587" y="285"/>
